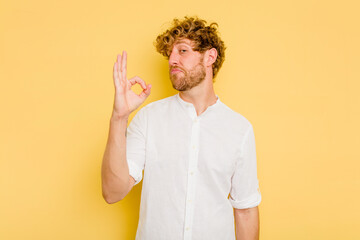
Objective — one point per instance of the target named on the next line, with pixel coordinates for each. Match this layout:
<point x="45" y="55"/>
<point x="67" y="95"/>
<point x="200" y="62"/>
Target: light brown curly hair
<point x="195" y="29"/>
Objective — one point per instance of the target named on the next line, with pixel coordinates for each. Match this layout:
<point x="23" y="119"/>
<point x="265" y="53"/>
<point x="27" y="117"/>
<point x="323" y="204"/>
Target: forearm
<point x="115" y="170"/>
<point x="116" y="181"/>
<point x="247" y="223"/>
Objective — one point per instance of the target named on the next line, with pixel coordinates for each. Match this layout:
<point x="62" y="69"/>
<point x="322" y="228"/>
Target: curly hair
<point x="195" y="29"/>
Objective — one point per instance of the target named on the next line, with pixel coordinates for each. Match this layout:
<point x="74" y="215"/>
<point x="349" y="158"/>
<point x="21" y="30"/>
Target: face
<point x="186" y="66"/>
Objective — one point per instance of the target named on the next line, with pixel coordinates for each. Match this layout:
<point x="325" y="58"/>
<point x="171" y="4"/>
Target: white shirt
<point x="191" y="164"/>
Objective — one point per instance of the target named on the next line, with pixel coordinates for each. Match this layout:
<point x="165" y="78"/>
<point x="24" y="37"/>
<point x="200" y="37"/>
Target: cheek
<point x="187" y="65"/>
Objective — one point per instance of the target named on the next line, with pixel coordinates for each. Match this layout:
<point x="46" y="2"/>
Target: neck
<point x="201" y="96"/>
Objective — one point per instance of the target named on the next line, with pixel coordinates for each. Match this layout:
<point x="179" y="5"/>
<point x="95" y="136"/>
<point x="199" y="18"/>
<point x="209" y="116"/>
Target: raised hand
<point x="127" y="100"/>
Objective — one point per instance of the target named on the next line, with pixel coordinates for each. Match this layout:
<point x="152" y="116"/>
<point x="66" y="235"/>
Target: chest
<point x="207" y="146"/>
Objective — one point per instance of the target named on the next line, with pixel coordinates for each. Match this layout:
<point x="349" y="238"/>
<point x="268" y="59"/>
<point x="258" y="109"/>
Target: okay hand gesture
<point x="127" y="100"/>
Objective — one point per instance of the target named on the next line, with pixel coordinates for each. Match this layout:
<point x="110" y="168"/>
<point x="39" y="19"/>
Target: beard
<point x="186" y="80"/>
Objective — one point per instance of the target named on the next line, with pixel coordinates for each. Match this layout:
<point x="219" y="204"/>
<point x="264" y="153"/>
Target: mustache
<point x="176" y="67"/>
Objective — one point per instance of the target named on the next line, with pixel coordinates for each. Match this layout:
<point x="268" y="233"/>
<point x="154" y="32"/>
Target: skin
<point x="247" y="223"/>
<point x="184" y="78"/>
<point x="191" y="73"/>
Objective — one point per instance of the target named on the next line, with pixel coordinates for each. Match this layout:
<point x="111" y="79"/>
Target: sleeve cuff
<point x="252" y="201"/>
<point x="135" y="172"/>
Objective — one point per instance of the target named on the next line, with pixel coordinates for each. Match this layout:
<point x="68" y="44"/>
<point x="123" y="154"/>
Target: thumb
<point x="146" y="92"/>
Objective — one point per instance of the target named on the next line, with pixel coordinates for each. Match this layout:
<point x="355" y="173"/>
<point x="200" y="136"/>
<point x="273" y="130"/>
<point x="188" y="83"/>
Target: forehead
<point x="184" y="41"/>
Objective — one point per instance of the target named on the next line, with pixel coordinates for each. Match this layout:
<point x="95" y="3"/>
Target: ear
<point x="210" y="56"/>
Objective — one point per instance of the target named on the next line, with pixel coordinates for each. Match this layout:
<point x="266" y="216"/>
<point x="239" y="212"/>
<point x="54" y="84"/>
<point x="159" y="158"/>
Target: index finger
<point x="124" y="65"/>
<point x="138" y="80"/>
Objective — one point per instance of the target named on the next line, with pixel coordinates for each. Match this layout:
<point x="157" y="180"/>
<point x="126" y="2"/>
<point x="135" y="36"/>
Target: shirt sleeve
<point x="135" y="146"/>
<point x="245" y="191"/>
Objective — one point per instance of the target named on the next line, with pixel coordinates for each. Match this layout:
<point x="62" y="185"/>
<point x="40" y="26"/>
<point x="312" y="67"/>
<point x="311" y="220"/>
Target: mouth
<point x="175" y="70"/>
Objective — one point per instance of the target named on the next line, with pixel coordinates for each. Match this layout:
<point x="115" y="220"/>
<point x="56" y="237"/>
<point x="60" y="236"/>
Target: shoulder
<point x="235" y="119"/>
<point x="153" y="110"/>
<point x="160" y="104"/>
<point x="157" y="107"/>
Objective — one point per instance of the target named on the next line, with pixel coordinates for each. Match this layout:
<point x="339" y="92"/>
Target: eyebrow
<point x="183" y="42"/>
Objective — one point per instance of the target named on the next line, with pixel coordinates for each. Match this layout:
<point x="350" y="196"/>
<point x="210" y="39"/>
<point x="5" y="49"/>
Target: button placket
<point x="191" y="183"/>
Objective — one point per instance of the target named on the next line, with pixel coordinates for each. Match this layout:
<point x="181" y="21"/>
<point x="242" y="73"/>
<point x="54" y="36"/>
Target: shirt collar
<point x="190" y="109"/>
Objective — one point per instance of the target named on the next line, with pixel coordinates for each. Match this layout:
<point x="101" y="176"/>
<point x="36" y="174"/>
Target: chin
<point x="177" y="84"/>
<point x="178" y="88"/>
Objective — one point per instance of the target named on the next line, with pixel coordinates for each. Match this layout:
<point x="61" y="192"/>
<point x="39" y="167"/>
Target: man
<point x="198" y="155"/>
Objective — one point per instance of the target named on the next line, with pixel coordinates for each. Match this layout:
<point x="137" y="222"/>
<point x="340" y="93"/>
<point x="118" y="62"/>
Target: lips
<point x="175" y="70"/>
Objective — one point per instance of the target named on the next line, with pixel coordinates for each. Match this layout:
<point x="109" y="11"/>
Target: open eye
<point x="183" y="50"/>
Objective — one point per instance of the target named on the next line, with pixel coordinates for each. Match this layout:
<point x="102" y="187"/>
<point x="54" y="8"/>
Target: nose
<point x="173" y="58"/>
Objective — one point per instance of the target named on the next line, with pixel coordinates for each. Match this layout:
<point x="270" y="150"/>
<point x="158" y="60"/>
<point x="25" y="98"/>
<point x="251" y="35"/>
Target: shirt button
<point x="187" y="229"/>
<point x="193" y="146"/>
<point x="191" y="173"/>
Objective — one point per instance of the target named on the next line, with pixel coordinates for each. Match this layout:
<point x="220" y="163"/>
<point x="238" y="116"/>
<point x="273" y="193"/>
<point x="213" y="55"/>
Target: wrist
<point x="119" y="118"/>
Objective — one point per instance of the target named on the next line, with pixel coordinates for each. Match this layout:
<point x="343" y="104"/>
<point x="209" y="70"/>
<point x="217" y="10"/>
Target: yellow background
<point x="291" y="68"/>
